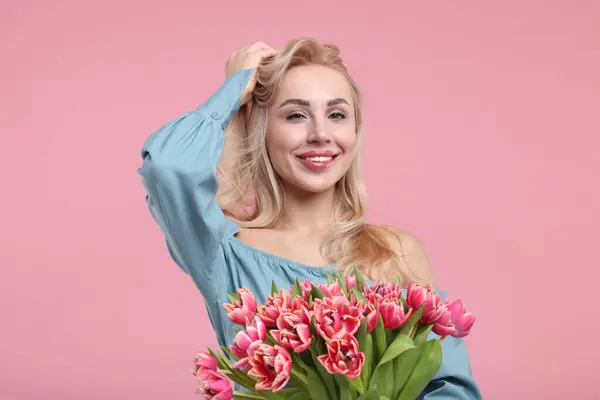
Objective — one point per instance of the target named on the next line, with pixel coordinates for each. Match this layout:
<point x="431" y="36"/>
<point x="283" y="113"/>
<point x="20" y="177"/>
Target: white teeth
<point x="319" y="159"/>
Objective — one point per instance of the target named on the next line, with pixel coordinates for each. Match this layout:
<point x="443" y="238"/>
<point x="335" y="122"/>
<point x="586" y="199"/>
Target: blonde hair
<point x="249" y="180"/>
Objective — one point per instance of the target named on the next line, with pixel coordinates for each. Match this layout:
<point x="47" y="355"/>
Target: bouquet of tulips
<point x="341" y="340"/>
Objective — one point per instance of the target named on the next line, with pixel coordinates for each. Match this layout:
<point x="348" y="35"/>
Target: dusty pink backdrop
<point x="483" y="126"/>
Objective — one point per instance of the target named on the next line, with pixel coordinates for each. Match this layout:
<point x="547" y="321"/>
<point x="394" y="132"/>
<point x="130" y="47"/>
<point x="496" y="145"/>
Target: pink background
<point x="483" y="124"/>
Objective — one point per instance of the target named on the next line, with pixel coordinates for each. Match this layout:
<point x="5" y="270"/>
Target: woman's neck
<point x="306" y="212"/>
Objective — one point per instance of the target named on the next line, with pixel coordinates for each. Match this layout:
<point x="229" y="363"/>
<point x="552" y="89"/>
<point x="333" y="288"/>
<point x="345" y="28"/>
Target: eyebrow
<point x="306" y="103"/>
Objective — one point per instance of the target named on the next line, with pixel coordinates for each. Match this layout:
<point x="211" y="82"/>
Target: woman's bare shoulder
<point x="412" y="252"/>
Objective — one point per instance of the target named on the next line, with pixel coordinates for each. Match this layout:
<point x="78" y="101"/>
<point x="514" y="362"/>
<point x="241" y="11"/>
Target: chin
<point x="315" y="189"/>
<point x="310" y="182"/>
<point x="313" y="185"/>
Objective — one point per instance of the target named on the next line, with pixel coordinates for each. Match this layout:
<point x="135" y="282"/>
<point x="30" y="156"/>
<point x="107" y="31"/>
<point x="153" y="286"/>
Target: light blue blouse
<point x="179" y="175"/>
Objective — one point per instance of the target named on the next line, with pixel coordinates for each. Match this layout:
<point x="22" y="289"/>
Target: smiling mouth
<point x="318" y="158"/>
<point x="317" y="162"/>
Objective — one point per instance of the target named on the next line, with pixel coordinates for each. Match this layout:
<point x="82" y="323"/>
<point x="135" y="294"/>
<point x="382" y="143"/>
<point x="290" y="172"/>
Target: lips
<point x="317" y="160"/>
<point x="322" y="153"/>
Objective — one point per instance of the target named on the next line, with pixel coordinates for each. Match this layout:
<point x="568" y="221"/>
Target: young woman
<point x="288" y="124"/>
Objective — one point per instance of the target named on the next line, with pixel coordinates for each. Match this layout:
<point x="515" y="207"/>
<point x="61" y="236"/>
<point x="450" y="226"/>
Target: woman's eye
<point x="294" y="116"/>
<point x="334" y="115"/>
<point x="338" y="115"/>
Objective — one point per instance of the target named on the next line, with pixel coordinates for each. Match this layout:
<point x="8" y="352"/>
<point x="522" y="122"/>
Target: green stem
<point x="343" y="384"/>
<point x="413" y="331"/>
<point x="327" y="378"/>
<point x="299" y="361"/>
<point x="299" y="380"/>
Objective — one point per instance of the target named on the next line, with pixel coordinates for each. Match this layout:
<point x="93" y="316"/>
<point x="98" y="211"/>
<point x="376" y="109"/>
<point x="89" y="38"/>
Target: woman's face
<point x="311" y="130"/>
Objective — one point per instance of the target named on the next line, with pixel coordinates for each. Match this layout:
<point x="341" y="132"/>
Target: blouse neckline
<point x="315" y="269"/>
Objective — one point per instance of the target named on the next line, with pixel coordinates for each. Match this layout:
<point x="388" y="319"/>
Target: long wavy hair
<point x="251" y="193"/>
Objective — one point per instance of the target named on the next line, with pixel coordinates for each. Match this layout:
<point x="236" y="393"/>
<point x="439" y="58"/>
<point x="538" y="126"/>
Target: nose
<point x="319" y="133"/>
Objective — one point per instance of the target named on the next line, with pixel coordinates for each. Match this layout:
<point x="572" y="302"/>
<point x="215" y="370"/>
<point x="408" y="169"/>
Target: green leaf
<point x="342" y="281"/>
<point x="365" y="344"/>
<point x="330" y="278"/>
<point x="313" y="328"/>
<point x="269" y="339"/>
<point x="238" y="328"/>
<point x="404" y="304"/>
<point x="228" y="374"/>
<point x="383" y="379"/>
<point x="325" y="375"/>
<point x="362" y="333"/>
<point x="269" y="395"/>
<point x="371" y="394"/>
<point x="236" y="375"/>
<point x="233" y="297"/>
<point x="422" y="333"/>
<point x="403" y="367"/>
<point x="316" y="387"/>
<point x="222" y="363"/>
<point x="360" y="280"/>
<point x="316" y="292"/>
<point x="344" y="387"/>
<point x="389" y="337"/>
<point x="288" y="392"/>
<point x="380" y="340"/>
<point x="357" y="385"/>
<point x="300" y="396"/>
<point x="412" y="321"/>
<point x="274" y="289"/>
<point x="227" y="351"/>
<point x="358" y="294"/>
<point x="243" y="395"/>
<point x="428" y="364"/>
<point x="400" y="344"/>
<point x="298" y="359"/>
<point x="296" y="291"/>
<point x="306" y="359"/>
<point x="367" y="348"/>
<point x="299" y="380"/>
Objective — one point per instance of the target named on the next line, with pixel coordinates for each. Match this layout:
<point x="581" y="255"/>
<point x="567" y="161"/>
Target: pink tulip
<point x="351" y="282"/>
<point x="272" y="365"/>
<point x="370" y="312"/>
<point x="294" y="332"/>
<point x="378" y="290"/>
<point x="335" y="317"/>
<point x="454" y="321"/>
<point x="204" y="361"/>
<point x="306" y="287"/>
<point x="275" y="305"/>
<point x="392" y="290"/>
<point x="392" y="313"/>
<point x="330" y="289"/>
<point x="374" y="292"/>
<point x="255" y="331"/>
<point x="417" y="295"/>
<point x="444" y="326"/>
<point x="462" y="320"/>
<point x="243" y="308"/>
<point x="214" y="385"/>
<point x="343" y="357"/>
<point x="301" y="308"/>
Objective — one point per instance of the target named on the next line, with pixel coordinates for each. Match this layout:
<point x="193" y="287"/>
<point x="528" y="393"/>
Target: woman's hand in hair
<point x="245" y="58"/>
